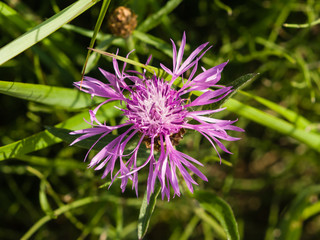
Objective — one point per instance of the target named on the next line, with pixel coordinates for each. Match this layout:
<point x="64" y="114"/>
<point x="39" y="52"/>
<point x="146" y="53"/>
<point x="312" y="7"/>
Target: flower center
<point x="154" y="108"/>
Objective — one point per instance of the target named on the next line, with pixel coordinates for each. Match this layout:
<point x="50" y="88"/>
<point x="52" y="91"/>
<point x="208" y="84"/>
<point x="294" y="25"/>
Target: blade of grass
<point x="50" y="45"/>
<point x="70" y="99"/>
<point x="44" y="29"/>
<point x="311" y="210"/>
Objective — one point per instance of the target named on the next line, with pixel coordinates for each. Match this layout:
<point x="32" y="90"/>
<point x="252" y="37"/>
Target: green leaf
<point x="33" y="143"/>
<point x="292" y="223"/>
<point x="43" y="30"/>
<point x="146" y="211"/>
<point x="237" y="84"/>
<point x="15" y="20"/>
<point x="220" y="210"/>
<point x="70" y="99"/>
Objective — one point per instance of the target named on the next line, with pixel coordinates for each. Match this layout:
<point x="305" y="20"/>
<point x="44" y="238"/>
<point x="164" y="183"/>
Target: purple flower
<point x="158" y="115"/>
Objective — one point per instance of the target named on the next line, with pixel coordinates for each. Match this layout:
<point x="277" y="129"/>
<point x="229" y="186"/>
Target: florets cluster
<point x="155" y="108"/>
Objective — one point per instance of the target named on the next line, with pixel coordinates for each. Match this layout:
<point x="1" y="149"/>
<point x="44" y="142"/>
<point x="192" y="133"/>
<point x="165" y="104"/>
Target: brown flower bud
<point x="122" y="22"/>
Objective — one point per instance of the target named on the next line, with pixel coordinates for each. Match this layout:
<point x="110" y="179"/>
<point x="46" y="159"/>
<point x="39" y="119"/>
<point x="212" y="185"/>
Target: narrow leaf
<point x="43" y="30"/>
<point x="70" y="99"/>
<point x="16" y="20"/>
<point x="221" y="211"/>
<point x="146" y="211"/>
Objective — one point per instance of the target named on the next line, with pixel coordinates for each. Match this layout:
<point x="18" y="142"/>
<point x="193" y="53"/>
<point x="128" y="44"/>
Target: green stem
<point x="97" y="27"/>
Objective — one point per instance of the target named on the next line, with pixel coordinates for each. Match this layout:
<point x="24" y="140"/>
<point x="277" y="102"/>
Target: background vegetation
<point x="271" y="182"/>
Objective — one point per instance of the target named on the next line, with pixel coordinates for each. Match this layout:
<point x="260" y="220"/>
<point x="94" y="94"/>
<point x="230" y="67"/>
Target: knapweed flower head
<point x="158" y="115"/>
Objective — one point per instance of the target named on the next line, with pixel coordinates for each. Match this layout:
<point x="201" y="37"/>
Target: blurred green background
<point x="273" y="177"/>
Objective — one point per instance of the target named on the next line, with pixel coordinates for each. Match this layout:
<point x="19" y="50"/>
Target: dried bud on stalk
<point x="122" y="22"/>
